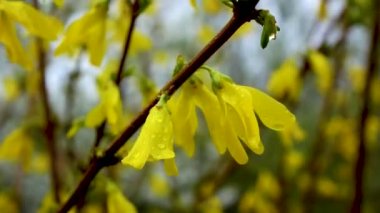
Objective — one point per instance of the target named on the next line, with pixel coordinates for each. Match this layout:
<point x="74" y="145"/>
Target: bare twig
<point x="128" y="37"/>
<point x="49" y="120"/>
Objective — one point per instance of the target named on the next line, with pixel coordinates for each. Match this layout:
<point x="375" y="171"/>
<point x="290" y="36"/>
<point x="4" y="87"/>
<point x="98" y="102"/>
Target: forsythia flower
<point x="239" y="104"/>
<point x="285" y="81"/>
<point x="88" y="31"/>
<point x="155" y="141"/>
<point x="35" y="22"/>
<point x="109" y="108"/>
<point x="18" y="147"/>
<point x="323" y="70"/>
<point x="116" y="201"/>
<point x="229" y="115"/>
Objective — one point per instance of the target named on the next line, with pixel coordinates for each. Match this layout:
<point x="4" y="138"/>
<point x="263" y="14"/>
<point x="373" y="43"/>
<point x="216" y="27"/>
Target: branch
<point x="241" y="15"/>
<point x="361" y="159"/>
<point x="49" y="127"/>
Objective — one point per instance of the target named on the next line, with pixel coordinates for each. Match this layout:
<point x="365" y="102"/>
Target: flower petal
<point x="210" y="107"/>
<point x="184" y="119"/>
<point x="35" y="22"/>
<point x="8" y="37"/>
<point x="271" y="112"/>
<point x="155" y="139"/>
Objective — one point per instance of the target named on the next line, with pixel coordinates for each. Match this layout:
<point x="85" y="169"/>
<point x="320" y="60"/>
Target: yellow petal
<point x="88" y="31"/>
<point x="35" y="22"/>
<point x="212" y="6"/>
<point x="210" y="107"/>
<point x="323" y="70"/>
<point x="184" y="119"/>
<point x="116" y="201"/>
<point x="112" y="102"/>
<point x="193" y="3"/>
<point x="18" y="147"/>
<point x="245" y="123"/>
<point x="59" y="3"/>
<point x="232" y="127"/>
<point x="8" y="37"/>
<point x="271" y="112"/>
<point x="170" y="167"/>
<point x="96" y="116"/>
<point x="140" y="43"/>
<point x="155" y="139"/>
<point x="285" y="81"/>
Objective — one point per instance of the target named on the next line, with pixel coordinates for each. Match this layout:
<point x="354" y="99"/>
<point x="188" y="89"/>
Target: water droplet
<point x="161" y="146"/>
<point x="273" y="36"/>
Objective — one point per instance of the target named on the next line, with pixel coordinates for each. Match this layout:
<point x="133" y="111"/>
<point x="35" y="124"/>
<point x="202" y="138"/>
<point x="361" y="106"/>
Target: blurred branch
<point x="314" y="165"/>
<point x="242" y="14"/>
<point x="49" y="128"/>
<point x="372" y="65"/>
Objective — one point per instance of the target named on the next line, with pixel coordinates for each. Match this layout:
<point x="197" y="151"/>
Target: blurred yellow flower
<point x="292" y="133"/>
<point x="323" y="69"/>
<point x="212" y="6"/>
<point x="116" y="201"/>
<point x="285" y="81"/>
<point x="11" y="88"/>
<point x="155" y="141"/>
<point x="17" y="147"/>
<point x="211" y="205"/>
<point x="260" y="198"/>
<point x="88" y="31"/>
<point x="159" y="185"/>
<point x="35" y="23"/>
<point x="327" y="187"/>
<point x="109" y="108"/>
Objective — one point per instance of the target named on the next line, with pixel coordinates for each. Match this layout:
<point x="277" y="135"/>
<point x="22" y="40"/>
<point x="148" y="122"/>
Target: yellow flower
<point x="116" y="201"/>
<point x="323" y="70"/>
<point x="195" y="94"/>
<point x="155" y="141"/>
<point x="239" y="104"/>
<point x="109" y="108"/>
<point x="285" y="81"/>
<point x="12" y="88"/>
<point x="88" y="31"/>
<point x="35" y="23"/>
<point x="17" y="147"/>
<point x="229" y="115"/>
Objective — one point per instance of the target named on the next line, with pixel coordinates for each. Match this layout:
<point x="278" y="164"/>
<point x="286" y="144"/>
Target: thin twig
<point x="371" y="68"/>
<point x="241" y="15"/>
<point x="49" y="128"/>
<point x="128" y="37"/>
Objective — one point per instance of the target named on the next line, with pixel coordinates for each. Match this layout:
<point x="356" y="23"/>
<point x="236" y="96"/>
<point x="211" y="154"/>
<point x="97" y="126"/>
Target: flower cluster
<point x="230" y="112"/>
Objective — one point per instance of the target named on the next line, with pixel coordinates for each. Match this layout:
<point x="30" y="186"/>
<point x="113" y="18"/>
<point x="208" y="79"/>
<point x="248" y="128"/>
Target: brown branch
<point x="361" y="159"/>
<point x="241" y="15"/>
<point x="49" y="128"/>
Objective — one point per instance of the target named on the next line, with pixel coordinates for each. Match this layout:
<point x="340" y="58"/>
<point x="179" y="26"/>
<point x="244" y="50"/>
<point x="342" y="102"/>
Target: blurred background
<point x="318" y="66"/>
